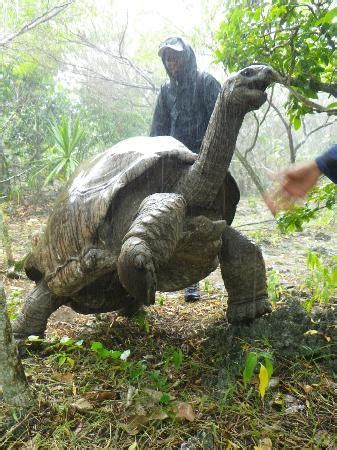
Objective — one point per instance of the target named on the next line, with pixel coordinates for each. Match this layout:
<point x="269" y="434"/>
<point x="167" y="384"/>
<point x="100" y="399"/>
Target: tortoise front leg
<point x="39" y="304"/>
<point x="244" y="274"/>
<point x="150" y="242"/>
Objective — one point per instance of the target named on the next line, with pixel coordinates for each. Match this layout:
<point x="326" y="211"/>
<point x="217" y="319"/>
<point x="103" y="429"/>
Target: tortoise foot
<point x="21" y="333"/>
<point x="137" y="272"/>
<point x="246" y="311"/>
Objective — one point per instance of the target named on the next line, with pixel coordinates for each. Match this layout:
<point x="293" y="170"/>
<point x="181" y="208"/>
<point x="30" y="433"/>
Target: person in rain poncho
<point x="184" y="107"/>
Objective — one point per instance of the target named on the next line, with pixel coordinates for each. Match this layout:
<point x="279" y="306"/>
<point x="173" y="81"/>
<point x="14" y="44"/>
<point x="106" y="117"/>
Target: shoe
<point x="192" y="293"/>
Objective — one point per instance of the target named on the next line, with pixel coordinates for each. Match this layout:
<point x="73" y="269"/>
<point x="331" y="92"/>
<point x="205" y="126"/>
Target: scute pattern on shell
<point x="70" y="237"/>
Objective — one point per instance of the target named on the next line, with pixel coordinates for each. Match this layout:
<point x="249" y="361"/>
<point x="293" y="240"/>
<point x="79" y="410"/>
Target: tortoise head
<point x="245" y="89"/>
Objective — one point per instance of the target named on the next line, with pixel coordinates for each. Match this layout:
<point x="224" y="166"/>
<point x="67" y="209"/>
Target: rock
<point x="203" y="440"/>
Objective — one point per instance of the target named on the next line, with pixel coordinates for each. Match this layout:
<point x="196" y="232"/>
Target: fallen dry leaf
<point x="184" y="411"/>
<point x="63" y="377"/>
<point x="264" y="444"/>
<point x="82" y="405"/>
<point x="136" y="421"/>
<point x="307" y="388"/>
<point x="100" y="396"/>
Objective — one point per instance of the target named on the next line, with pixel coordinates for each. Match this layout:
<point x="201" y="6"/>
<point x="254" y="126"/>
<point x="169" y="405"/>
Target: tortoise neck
<point x="202" y="182"/>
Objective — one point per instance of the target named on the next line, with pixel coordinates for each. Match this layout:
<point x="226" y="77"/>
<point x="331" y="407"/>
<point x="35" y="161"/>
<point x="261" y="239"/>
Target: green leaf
<point x="269" y="366"/>
<point x="66" y="341"/>
<point x="250" y="365"/>
<point x="296" y="123"/>
<point x="96" y="346"/>
<point x="329" y="17"/>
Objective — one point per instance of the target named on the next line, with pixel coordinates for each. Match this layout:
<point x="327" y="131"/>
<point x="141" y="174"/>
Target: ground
<point x="182" y="384"/>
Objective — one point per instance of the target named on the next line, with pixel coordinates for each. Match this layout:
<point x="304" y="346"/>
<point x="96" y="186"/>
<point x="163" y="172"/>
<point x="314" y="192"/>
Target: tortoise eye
<point x="249" y="72"/>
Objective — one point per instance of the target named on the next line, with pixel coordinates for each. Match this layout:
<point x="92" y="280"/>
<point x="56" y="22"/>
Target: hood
<point x="179" y="45"/>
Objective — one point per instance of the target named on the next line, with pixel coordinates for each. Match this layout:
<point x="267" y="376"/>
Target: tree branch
<point x="289" y="133"/>
<point x="82" y="40"/>
<point x="252" y="145"/>
<point x="314" y="130"/>
<point x="35" y="22"/>
<point x="317" y="86"/>
<point x="18" y="175"/>
<point x="310" y="104"/>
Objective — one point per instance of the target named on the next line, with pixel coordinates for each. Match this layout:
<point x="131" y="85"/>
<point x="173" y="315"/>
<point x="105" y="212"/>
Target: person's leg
<point x="192" y="293"/>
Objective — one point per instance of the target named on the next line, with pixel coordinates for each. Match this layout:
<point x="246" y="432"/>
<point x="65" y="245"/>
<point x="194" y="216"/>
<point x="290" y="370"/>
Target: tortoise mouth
<point x="259" y="85"/>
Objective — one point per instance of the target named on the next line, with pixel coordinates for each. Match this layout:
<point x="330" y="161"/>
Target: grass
<point x="124" y="407"/>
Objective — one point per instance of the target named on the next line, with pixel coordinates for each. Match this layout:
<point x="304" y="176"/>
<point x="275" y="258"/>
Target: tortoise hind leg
<point x="150" y="241"/>
<point x="244" y="275"/>
<point x="39" y="304"/>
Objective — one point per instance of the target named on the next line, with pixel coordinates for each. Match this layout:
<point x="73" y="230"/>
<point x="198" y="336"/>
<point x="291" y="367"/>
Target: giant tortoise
<point x="146" y="215"/>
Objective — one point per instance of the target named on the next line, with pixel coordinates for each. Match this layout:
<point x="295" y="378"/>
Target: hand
<point x="293" y="184"/>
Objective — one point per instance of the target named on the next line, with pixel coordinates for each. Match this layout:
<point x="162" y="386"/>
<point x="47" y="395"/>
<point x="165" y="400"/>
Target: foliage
<point x="208" y="287"/>
<point x="173" y="357"/>
<point x="297" y="39"/>
<point x="275" y="288"/>
<point x="14" y="301"/>
<point x="265" y="372"/>
<point x="318" y="198"/>
<point x="321" y="281"/>
<point x="160" y="299"/>
<point x="142" y="321"/>
<point x="61" y="159"/>
<point x="99" y="348"/>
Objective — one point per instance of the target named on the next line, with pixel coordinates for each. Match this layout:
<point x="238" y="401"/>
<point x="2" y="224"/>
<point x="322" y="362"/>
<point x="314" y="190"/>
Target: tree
<point x="12" y="376"/>
<point x="296" y="38"/>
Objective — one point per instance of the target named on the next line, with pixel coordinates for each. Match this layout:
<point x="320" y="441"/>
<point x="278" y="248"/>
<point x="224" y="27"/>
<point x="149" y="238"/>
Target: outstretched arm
<point x="296" y="181"/>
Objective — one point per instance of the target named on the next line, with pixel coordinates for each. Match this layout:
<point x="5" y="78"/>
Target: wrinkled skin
<point x="150" y="215"/>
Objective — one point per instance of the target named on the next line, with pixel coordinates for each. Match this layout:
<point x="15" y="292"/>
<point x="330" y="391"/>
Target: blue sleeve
<point x="327" y="163"/>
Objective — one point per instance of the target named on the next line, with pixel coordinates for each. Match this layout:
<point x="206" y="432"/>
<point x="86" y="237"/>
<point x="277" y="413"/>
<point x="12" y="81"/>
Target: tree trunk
<point x="5" y="238"/>
<point x="15" y="388"/>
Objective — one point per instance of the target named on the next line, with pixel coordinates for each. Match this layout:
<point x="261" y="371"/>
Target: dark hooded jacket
<point x="184" y="107"/>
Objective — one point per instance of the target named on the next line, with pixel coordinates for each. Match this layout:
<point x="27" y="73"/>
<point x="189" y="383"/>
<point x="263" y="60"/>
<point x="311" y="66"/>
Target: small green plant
<point x="322" y="280"/>
<point x="208" y="286"/>
<point x="158" y="380"/>
<point x="61" y="349"/>
<point x="257" y="235"/>
<point x="265" y="371"/>
<point x="165" y="399"/>
<point x="252" y="203"/>
<point x="100" y="350"/>
<point x="160" y="298"/>
<point x="136" y="370"/>
<point x="173" y="357"/>
<point x="275" y="288"/>
<point x="141" y="320"/>
<point x="13" y="302"/>
<point x="318" y="199"/>
<point x="62" y="157"/>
